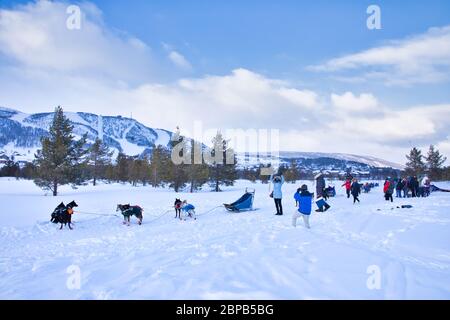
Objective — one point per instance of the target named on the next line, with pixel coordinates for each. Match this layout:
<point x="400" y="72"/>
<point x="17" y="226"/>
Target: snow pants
<point x="297" y="215"/>
<point x="278" y="206"/>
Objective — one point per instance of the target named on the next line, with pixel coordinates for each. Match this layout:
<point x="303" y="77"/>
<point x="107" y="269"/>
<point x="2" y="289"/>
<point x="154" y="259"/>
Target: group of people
<point x="352" y="187"/>
<point x="303" y="198"/>
<point x="404" y="187"/>
<point x="408" y="187"/>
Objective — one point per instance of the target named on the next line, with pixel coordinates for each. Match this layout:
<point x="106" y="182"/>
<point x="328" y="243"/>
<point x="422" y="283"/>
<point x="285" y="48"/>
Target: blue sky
<point x="281" y="46"/>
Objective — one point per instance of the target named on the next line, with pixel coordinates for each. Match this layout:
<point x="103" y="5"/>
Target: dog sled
<point x="245" y="203"/>
<point x="330" y="191"/>
<point x="434" y="188"/>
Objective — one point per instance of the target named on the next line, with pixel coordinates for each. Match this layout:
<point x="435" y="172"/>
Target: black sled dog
<point x="177" y="205"/>
<point x="63" y="214"/>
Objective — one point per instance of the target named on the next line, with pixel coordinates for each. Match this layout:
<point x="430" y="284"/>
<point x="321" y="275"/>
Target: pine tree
<point x="222" y="163"/>
<point x="197" y="173"/>
<point x="434" y="160"/>
<point x="159" y="163"/>
<point x="415" y="164"/>
<point x="176" y="173"/>
<point x="291" y="173"/>
<point x="10" y="169"/>
<point x="99" y="156"/>
<point x="121" y="169"/>
<point x="60" y="159"/>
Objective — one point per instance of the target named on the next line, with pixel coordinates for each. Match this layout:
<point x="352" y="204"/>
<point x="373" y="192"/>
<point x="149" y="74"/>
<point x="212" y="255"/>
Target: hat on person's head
<point x="304" y="187"/>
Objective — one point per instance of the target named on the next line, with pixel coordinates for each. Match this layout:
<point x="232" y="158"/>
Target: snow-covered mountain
<point x="318" y="161"/>
<point x="20" y="133"/>
<point x="370" y="161"/>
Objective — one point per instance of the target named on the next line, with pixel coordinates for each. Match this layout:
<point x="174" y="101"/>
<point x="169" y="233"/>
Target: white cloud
<point x="179" y="60"/>
<point x="35" y="36"/>
<point x="350" y="102"/>
<point x="423" y="58"/>
<point x="305" y="98"/>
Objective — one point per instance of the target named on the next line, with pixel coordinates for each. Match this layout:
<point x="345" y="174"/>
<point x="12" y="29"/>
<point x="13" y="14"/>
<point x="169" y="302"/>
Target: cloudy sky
<point x="311" y="69"/>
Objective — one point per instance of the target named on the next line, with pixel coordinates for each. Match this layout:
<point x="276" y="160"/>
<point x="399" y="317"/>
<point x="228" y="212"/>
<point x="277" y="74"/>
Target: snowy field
<point x="252" y="255"/>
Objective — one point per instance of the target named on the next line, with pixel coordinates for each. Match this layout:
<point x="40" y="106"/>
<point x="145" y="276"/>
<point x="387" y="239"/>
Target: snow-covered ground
<point x="252" y="255"/>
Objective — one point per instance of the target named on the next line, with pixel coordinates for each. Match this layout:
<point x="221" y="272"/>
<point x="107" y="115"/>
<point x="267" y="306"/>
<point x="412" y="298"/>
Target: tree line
<point x="63" y="160"/>
<point x="431" y="164"/>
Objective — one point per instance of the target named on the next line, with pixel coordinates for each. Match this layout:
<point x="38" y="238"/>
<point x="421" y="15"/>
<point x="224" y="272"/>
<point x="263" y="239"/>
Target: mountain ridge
<point x="20" y="135"/>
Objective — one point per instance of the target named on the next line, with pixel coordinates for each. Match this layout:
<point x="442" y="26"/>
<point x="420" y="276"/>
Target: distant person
<point x="414" y="186"/>
<point x="304" y="199"/>
<point x="366" y="187"/>
<point x="355" y="190"/>
<point x="277" y="194"/>
<point x="188" y="209"/>
<point x="405" y="188"/>
<point x="399" y="188"/>
<point x="426" y="185"/>
<point x="388" y="190"/>
<point x="348" y="187"/>
<point x="320" y="188"/>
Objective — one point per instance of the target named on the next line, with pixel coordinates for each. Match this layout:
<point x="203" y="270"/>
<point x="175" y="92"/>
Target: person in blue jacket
<point x="277" y="194"/>
<point x="188" y="209"/>
<point x="304" y="199"/>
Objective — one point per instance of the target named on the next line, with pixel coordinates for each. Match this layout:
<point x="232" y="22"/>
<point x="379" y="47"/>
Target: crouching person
<point x="304" y="199"/>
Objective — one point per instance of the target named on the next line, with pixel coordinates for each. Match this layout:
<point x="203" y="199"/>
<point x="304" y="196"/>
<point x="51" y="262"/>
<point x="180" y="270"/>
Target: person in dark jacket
<point x="405" y="188"/>
<point x="356" y="190"/>
<point x="304" y="199"/>
<point x="414" y="186"/>
<point x="320" y="187"/>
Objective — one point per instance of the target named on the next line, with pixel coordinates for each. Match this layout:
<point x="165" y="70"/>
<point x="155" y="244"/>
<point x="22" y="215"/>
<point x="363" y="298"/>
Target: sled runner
<point x="433" y="188"/>
<point x="245" y="203"/>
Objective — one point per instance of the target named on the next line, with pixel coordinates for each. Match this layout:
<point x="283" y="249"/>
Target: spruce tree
<point x="99" y="156"/>
<point x="176" y="173"/>
<point x="434" y="160"/>
<point x="121" y="169"/>
<point x="60" y="159"/>
<point x="159" y="164"/>
<point x="10" y="169"/>
<point x="197" y="173"/>
<point x="415" y="164"/>
<point x="291" y="172"/>
<point x="222" y="163"/>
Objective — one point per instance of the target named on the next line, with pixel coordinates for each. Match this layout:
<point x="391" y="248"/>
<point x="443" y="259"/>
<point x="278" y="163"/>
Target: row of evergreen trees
<point x="64" y="160"/>
<point x="431" y="164"/>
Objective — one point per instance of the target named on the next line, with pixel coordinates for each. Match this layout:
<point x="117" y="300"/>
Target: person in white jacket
<point x="425" y="184"/>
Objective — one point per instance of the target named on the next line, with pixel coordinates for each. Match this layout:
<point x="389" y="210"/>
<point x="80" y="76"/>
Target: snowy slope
<point x="252" y="255"/>
<point x="21" y="133"/>
<point x="284" y="157"/>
